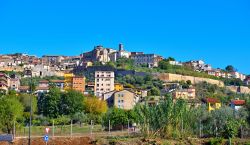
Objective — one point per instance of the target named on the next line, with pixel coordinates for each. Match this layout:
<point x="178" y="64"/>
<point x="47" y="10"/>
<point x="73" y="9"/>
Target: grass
<point x="58" y="130"/>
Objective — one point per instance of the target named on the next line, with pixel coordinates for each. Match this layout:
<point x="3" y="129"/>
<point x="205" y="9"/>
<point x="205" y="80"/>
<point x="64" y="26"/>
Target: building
<point x="73" y="82"/>
<point x="104" y="81"/>
<point x="52" y="59"/>
<point x="47" y="84"/>
<point x="57" y="83"/>
<point x="150" y="60"/>
<point x="43" y="83"/>
<point x="118" y="87"/>
<point x="124" y="99"/>
<point x="14" y="83"/>
<point x="4" y="82"/>
<point x="187" y="94"/>
<point x="121" y="53"/>
<point x="78" y="83"/>
<point x="237" y="75"/>
<point x="175" y="63"/>
<point x="198" y="65"/>
<point x="68" y="78"/>
<point x="99" y="54"/>
<point x="237" y="104"/>
<point x="212" y="103"/>
<point x="247" y="81"/>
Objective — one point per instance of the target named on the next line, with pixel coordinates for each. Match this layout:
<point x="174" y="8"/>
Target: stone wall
<point x="237" y="89"/>
<point x="168" y="77"/>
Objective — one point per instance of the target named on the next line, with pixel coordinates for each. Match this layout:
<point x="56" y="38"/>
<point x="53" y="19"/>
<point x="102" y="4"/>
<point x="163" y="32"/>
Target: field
<point x="58" y="130"/>
<point x="125" y="140"/>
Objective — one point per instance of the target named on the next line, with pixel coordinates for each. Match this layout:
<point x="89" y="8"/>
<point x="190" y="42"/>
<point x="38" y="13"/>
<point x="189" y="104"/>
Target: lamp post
<point x="31" y="85"/>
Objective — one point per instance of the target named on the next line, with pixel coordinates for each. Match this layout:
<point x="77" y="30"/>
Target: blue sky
<point x="217" y="31"/>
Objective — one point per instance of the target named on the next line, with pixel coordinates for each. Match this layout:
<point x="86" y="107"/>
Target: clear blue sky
<point x="217" y="31"/>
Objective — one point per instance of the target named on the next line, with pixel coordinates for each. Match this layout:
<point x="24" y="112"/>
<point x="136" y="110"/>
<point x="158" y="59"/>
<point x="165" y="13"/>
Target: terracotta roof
<point x="238" y="102"/>
<point x="24" y="88"/>
<point x="44" y="81"/>
<point x="42" y="88"/>
<point x="212" y="100"/>
<point x="91" y="83"/>
<point x="57" y="81"/>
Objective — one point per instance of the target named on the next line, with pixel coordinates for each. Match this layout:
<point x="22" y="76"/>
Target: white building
<point x="104" y="82"/>
<point x="121" y="53"/>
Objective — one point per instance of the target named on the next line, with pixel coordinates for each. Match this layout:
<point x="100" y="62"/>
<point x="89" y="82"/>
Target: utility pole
<point x="30" y="110"/>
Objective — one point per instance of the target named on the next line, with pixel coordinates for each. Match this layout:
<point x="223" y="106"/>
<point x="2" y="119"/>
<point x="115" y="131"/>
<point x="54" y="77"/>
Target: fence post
<point x="128" y="127"/>
<point x="200" y="130"/>
<point x="109" y="127"/>
<point x="71" y="129"/>
<point x="241" y="132"/>
<point x="182" y="126"/>
<point x="53" y="129"/>
<point x="14" y="130"/>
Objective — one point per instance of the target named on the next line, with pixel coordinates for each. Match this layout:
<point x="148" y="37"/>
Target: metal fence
<point x="72" y="130"/>
<point x="95" y="130"/>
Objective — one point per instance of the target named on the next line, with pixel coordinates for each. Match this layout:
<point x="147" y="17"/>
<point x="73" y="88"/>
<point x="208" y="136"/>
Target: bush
<point x="215" y="141"/>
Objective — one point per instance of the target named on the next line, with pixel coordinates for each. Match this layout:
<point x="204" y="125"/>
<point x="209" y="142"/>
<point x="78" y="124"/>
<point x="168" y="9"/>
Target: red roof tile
<point x="212" y="100"/>
<point x="238" y="102"/>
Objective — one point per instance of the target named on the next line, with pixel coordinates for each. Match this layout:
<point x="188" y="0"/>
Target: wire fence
<point x="200" y="130"/>
<point x="72" y="130"/>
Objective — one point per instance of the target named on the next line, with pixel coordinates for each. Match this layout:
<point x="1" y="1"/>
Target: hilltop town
<point x="16" y="66"/>
<point x="108" y="84"/>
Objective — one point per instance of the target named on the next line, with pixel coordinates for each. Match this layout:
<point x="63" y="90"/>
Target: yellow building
<point x="118" y="87"/>
<point x="213" y="104"/>
<point x="68" y="79"/>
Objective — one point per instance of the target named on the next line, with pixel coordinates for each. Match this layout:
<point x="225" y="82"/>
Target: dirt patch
<point x="55" y="141"/>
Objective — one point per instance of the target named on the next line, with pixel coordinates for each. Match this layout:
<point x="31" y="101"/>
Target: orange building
<point x="78" y="83"/>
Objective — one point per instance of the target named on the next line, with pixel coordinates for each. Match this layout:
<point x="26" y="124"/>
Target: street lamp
<point x="29" y="72"/>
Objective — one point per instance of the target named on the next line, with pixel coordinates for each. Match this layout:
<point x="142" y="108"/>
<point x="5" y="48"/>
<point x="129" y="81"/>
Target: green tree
<point x="170" y="59"/>
<point x="25" y="100"/>
<point x="231" y="129"/>
<point x="11" y="110"/>
<point x="117" y="117"/>
<point x="154" y="92"/>
<point x="49" y="104"/>
<point x="95" y="106"/>
<point x="71" y="103"/>
<point x="230" y="68"/>
<point x="80" y="117"/>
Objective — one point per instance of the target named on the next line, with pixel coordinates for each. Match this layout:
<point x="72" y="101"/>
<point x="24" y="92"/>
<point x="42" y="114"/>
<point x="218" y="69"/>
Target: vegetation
<point x="35" y="80"/>
<point x="144" y="82"/>
<point x="11" y="111"/>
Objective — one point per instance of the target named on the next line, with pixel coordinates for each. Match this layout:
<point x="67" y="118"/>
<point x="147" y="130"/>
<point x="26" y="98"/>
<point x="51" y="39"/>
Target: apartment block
<point x="104" y="82"/>
<point x="74" y="82"/>
<point x="78" y="83"/>
<point x="125" y="99"/>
